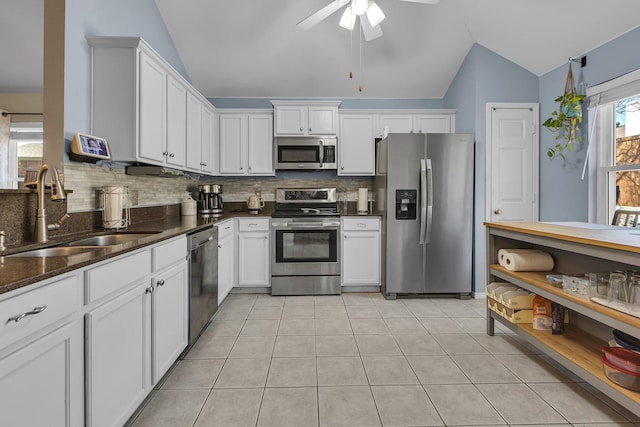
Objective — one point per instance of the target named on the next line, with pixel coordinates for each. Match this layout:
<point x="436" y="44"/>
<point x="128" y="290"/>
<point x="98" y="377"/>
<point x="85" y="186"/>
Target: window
<point x="614" y="109"/>
<point x="25" y="150"/>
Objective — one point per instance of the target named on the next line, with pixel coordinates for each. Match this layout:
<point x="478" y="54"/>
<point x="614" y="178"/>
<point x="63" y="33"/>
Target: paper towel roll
<point x="363" y="200"/>
<point x="503" y="252"/>
<point x="526" y="261"/>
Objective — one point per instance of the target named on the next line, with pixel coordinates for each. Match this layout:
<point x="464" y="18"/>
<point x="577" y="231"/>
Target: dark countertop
<point x="16" y="272"/>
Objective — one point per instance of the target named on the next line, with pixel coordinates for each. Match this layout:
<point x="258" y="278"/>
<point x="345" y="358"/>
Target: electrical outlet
<point x="134" y="198"/>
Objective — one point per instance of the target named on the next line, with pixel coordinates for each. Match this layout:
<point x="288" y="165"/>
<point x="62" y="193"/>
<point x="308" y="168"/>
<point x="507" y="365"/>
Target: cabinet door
<point x="118" y="352"/>
<point x="194" y="132"/>
<point x="152" y="142"/>
<point x="433" y="123"/>
<point x="169" y="323"/>
<point x="397" y="123"/>
<point x="208" y="133"/>
<point x="253" y="259"/>
<point x="260" y="144"/>
<point x="42" y="383"/>
<point x="323" y="120"/>
<point x="233" y="137"/>
<point x="176" y="122"/>
<point x="291" y="120"/>
<point x="225" y="266"/>
<point x="357" y="146"/>
<point x="360" y="258"/>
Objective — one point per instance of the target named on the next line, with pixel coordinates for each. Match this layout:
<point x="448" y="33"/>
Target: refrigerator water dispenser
<point x="406" y="201"/>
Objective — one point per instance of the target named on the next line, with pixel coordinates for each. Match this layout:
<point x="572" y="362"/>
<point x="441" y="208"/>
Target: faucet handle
<point x="56" y="225"/>
<point x="57" y="189"/>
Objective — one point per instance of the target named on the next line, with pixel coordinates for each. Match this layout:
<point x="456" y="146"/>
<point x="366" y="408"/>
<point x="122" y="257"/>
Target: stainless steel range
<point x="305" y="257"/>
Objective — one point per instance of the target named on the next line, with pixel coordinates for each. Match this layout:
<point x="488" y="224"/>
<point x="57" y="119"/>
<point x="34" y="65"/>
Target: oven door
<point x="305" y="247"/>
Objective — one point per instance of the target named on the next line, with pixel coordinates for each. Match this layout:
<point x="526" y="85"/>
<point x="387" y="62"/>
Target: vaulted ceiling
<point x="252" y="48"/>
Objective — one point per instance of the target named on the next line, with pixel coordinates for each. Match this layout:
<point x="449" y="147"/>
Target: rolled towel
<point x="526" y="261"/>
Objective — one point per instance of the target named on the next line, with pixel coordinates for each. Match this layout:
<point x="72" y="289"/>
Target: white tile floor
<point x="359" y="360"/>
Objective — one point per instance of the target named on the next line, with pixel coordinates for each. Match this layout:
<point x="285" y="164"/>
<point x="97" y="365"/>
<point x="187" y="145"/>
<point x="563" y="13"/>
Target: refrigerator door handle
<point x="423" y="200"/>
<point x="429" y="201"/>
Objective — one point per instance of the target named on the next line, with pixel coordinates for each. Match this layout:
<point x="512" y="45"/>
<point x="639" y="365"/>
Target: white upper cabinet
<point x="356" y="145"/>
<point x="306" y="118"/>
<point x="415" y="121"/>
<point x="246" y="143"/>
<point x="146" y="110"/>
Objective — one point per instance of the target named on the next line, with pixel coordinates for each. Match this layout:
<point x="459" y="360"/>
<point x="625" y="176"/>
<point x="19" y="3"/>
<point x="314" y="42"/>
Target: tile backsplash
<point x="86" y="181"/>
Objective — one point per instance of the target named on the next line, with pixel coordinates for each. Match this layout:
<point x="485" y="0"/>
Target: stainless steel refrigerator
<point x="424" y="192"/>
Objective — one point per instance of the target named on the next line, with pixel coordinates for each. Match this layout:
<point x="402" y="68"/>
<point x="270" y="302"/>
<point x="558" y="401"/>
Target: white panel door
<point x="207" y="164"/>
<point x="397" y="123"/>
<point x="260" y="144"/>
<point x="194" y="132"/>
<point x="322" y="120"/>
<point x="357" y="145"/>
<point x="253" y="258"/>
<point x="152" y="112"/>
<point x="513" y="168"/>
<point x="360" y="258"/>
<point x="176" y="122"/>
<point x="233" y="137"/>
<point x="291" y="120"/>
<point x="434" y="123"/>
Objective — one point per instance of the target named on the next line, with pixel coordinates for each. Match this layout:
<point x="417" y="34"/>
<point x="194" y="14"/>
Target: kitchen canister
<point x="363" y="201"/>
<point x="188" y="206"/>
<point x="115" y="214"/>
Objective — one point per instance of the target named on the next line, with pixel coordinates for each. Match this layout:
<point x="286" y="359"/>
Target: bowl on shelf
<point x="622" y="377"/>
<point x="626" y="340"/>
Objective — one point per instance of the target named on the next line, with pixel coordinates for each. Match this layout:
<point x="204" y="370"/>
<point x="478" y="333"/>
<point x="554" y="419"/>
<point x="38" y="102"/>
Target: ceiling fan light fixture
<point x="359" y="7"/>
<point x="348" y="19"/>
<point x="374" y="14"/>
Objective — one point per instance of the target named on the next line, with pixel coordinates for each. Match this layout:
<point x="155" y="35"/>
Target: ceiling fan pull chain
<point x="351" y="50"/>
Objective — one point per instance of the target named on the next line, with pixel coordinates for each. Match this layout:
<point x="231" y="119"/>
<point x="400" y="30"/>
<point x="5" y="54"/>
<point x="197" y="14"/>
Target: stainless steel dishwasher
<point x="203" y="280"/>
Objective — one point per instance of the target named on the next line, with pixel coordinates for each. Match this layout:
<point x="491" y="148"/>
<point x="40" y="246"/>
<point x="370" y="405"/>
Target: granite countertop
<point x="16" y="272"/>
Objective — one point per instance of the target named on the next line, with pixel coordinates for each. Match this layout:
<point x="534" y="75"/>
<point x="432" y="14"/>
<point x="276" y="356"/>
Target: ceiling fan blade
<point x="321" y="14"/>
<point x="423" y="1"/>
<point x="370" y="33"/>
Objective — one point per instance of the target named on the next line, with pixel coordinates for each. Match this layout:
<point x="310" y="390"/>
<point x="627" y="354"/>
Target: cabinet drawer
<point x="116" y="275"/>
<point x="225" y="229"/>
<point x="258" y="224"/>
<point x="360" y="224"/>
<point x="168" y="254"/>
<point x="60" y="298"/>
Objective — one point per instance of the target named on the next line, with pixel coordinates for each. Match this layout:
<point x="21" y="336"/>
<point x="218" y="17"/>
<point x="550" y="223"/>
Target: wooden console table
<point x="577" y="248"/>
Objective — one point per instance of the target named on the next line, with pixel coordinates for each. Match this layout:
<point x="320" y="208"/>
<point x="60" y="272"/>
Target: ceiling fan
<point x="356" y="8"/>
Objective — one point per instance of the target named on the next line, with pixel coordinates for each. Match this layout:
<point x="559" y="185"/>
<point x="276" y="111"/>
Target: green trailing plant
<point x="565" y="120"/>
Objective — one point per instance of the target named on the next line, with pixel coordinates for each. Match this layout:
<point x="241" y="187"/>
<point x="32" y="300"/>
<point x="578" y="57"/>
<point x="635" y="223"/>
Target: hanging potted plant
<point x="566" y="119"/>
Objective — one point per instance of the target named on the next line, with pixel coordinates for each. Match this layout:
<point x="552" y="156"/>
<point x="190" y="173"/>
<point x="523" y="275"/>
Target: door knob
<point x="498" y="212"/>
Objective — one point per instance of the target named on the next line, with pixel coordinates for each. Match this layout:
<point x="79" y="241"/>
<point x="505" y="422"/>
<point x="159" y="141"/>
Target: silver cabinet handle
<point x="241" y="168"/>
<point x="172" y="155"/>
<point x="19" y="317"/>
<point x="165" y="153"/>
<point x="301" y="129"/>
<point x="219" y="246"/>
<point x="498" y="212"/>
<point x="266" y="237"/>
<point x="160" y="283"/>
<point x="149" y="290"/>
<point x="309" y="129"/>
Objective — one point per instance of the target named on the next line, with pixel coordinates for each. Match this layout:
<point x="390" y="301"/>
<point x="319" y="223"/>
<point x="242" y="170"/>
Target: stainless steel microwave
<point x="306" y="153"/>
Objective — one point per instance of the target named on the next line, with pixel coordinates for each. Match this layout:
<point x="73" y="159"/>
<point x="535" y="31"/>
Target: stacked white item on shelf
<point x="511" y="302"/>
<point x="525" y="260"/>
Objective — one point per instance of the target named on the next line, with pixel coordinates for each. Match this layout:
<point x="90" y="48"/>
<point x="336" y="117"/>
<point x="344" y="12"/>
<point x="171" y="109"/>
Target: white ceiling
<point x="252" y="48"/>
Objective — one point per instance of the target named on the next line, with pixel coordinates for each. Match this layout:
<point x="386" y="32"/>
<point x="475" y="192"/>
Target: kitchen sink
<point x="109" y="239"/>
<point x="57" y="251"/>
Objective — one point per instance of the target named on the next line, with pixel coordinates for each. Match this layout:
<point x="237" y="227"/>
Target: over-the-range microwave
<point x="306" y="153"/>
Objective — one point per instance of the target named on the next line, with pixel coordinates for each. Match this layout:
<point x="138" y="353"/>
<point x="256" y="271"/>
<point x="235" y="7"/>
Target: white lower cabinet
<point x="41" y="371"/>
<point x="226" y="259"/>
<point x="135" y="333"/>
<point x="118" y="356"/>
<point x="253" y="252"/>
<point x="170" y="316"/>
<point x="360" y="251"/>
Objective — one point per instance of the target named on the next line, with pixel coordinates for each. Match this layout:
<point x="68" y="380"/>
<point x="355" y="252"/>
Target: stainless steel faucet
<point x="57" y="194"/>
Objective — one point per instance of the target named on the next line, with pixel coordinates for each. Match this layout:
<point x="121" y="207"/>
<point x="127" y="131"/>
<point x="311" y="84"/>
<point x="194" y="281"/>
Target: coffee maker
<point x="210" y="199"/>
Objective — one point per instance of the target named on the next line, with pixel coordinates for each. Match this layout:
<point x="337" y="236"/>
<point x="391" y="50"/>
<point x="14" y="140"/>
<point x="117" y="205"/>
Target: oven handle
<point x="321" y="154"/>
<point x="288" y="226"/>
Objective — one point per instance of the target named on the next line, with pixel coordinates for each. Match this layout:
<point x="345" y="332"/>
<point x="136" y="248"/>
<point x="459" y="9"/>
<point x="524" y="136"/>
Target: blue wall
<point x="563" y="195"/>
<point x="137" y="18"/>
<point x="485" y="77"/>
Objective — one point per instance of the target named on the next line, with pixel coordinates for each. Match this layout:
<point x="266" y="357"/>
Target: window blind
<point x="614" y="90"/>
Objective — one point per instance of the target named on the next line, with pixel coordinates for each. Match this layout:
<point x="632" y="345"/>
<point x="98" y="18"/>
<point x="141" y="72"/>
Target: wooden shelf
<point x="539" y="284"/>
<point x="580" y="349"/>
